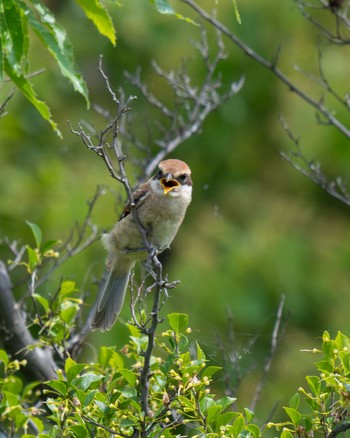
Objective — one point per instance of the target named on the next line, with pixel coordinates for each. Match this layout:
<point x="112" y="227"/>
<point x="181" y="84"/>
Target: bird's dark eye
<point x="183" y="178"/>
<point x="159" y="174"/>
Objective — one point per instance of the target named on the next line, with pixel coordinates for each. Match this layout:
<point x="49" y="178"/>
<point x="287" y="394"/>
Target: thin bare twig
<point x="312" y="170"/>
<point x="318" y="105"/>
<point x="268" y="361"/>
<point x="4" y="105"/>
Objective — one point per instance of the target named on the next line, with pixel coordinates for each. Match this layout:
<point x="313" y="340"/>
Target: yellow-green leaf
<point x="98" y="14"/>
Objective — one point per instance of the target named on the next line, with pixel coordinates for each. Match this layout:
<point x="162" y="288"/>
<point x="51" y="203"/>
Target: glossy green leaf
<point x="33" y="259"/>
<point x="286" y="434"/>
<point x="213" y="413"/>
<point x="3" y="30"/>
<point x="178" y="322"/>
<point x="314" y="384"/>
<point x="294" y="401"/>
<point x="98" y="14"/>
<point x="225" y="402"/>
<point x="210" y="371"/>
<point x="1" y="55"/>
<point x="129" y="376"/>
<point x="49" y="244"/>
<point x="73" y="371"/>
<point x="85" y="381"/>
<point x="294" y="415"/>
<point x="68" y="314"/>
<point x="254" y="430"/>
<point x="13" y="384"/>
<point x="79" y="431"/>
<point x="67" y="288"/>
<point x="27" y="90"/>
<point x="324" y="366"/>
<point x="342" y="342"/>
<point x="36" y="233"/>
<point x="206" y="403"/>
<point x="4" y="357"/>
<point x="164" y="7"/>
<point x="43" y="301"/>
<point x="58" y="386"/>
<point x="238" y="425"/>
<point x="16" y="24"/>
<point x="55" y="39"/>
<point x="225" y="419"/>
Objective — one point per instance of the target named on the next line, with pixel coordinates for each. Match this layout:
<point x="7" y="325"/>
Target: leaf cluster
<point x="323" y="407"/>
<point x="17" y="18"/>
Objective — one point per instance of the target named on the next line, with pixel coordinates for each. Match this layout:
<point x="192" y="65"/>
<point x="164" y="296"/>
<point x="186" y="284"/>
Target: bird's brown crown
<point x="174" y="167"/>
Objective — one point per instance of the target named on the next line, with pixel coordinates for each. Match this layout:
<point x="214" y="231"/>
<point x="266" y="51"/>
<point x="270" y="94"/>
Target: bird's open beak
<point x="169" y="183"/>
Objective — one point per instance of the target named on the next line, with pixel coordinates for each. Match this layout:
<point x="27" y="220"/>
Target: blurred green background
<point x="256" y="228"/>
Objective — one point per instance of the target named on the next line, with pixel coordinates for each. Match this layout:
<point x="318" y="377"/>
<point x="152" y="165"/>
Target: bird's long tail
<point x="111" y="298"/>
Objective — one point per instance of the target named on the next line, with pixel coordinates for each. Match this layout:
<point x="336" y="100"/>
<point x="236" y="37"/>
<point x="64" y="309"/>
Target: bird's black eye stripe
<point x="182" y="178"/>
<point x="159" y="174"/>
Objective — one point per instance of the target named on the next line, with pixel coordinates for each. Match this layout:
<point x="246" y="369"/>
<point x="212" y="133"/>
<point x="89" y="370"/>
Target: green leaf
<point x="225" y="402"/>
<point x="178" y="322"/>
<point x="294" y="415"/>
<point x="286" y="434"/>
<point x="86" y="397"/>
<point x="237" y="14"/>
<point x="186" y="404"/>
<point x="26" y="89"/>
<point x="104" y="355"/>
<point x="249" y="415"/>
<point x="79" y="431"/>
<point x="4" y="357"/>
<point x="98" y="14"/>
<point x="13" y="384"/>
<point x="72" y="369"/>
<point x="210" y="371"/>
<point x="55" y="39"/>
<point x="33" y="259"/>
<point x="67" y="288"/>
<point x="43" y="301"/>
<point x="164" y="7"/>
<point x="129" y="376"/>
<point x="314" y="384"/>
<point x="16" y="36"/>
<point x="254" y="430"/>
<point x="36" y="233"/>
<point x="345" y="359"/>
<point x="68" y="314"/>
<point x="213" y="412"/>
<point x="200" y="353"/>
<point x="58" y="386"/>
<point x="225" y="418"/>
<point x="324" y="366"/>
<point x="238" y="425"/>
<point x="86" y="380"/>
<point x="49" y="244"/>
<point x="1" y="53"/>
<point x="206" y="403"/>
<point x="342" y="342"/>
<point x="294" y="401"/>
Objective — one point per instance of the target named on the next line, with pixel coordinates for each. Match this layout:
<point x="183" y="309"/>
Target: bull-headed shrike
<point x="160" y="205"/>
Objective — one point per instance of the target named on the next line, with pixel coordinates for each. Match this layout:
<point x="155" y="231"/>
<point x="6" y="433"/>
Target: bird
<point x="159" y="207"/>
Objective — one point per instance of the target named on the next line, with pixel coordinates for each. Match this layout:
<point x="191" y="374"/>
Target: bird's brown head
<point x="172" y="174"/>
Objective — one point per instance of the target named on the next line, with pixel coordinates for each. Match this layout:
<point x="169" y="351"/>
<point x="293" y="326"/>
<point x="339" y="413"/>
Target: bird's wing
<point x="138" y="197"/>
